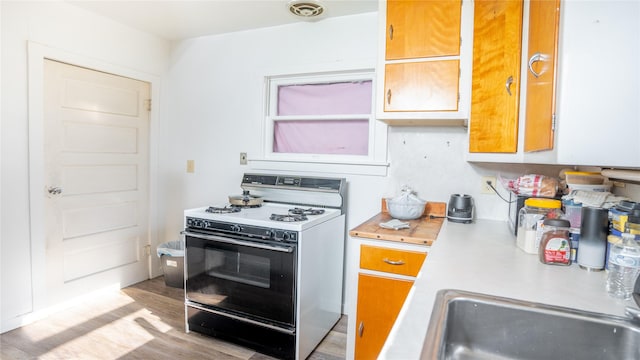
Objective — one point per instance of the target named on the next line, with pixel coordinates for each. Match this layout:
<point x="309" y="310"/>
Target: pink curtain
<point x="325" y="99"/>
<point x="348" y="137"/>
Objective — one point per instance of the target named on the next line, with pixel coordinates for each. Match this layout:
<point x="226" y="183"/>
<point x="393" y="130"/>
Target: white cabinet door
<point x="599" y="91"/>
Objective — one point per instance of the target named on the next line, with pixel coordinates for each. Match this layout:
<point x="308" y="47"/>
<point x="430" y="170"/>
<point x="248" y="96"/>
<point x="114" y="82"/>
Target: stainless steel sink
<point x="466" y="325"/>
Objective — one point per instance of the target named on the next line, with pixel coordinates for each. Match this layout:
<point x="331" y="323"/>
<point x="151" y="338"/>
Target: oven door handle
<point x="286" y="249"/>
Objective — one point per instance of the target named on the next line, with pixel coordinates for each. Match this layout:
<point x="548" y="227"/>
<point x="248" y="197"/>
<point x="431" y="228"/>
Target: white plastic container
<point x="405" y="209"/>
<point x="590" y="187"/>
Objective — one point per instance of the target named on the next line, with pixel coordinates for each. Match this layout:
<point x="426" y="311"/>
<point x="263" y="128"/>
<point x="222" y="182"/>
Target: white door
<point x="96" y="140"/>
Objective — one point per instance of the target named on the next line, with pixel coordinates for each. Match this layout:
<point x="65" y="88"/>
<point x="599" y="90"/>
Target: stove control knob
<point x="236" y="228"/>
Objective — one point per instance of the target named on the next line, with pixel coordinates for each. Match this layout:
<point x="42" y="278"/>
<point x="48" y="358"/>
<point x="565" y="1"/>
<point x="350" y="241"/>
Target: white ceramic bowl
<point x="405" y="210"/>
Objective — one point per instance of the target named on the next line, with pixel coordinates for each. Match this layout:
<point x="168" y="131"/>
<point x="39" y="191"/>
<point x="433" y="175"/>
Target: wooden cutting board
<point x="422" y="231"/>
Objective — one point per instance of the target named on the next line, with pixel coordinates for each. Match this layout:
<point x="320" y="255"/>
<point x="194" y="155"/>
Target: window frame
<point x="373" y="163"/>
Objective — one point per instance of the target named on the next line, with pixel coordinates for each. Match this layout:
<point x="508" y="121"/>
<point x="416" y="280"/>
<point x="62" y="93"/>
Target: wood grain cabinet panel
<point x="379" y="302"/>
<point x="393" y="261"/>
<point x="544" y="17"/>
<point x="422" y="86"/>
<point x="417" y="29"/>
<point x="385" y="278"/>
<point x="495" y="85"/>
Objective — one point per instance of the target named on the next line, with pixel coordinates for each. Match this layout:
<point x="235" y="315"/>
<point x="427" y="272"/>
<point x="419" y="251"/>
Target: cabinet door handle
<point x="389" y="97"/>
<point x="534" y="59"/>
<point x="391" y="32"/>
<point x="360" y="329"/>
<point x="393" y="262"/>
<point x="508" y="84"/>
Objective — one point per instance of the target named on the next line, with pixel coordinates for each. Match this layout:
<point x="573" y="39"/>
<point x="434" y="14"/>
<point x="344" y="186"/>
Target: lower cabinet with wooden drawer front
<point x="385" y="276"/>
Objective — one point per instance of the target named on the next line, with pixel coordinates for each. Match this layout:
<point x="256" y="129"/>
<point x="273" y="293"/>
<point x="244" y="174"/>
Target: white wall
<point x="83" y="36"/>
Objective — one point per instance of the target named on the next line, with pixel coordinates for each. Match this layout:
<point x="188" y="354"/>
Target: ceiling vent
<point x="306" y="8"/>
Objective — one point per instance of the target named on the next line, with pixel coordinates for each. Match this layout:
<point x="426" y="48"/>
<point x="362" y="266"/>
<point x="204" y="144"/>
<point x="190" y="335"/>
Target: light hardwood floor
<point x="144" y="321"/>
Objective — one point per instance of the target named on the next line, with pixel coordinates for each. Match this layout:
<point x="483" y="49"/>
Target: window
<point x="323" y="118"/>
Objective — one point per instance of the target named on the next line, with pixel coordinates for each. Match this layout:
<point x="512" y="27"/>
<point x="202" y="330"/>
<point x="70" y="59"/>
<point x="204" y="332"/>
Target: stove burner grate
<point x="247" y="206"/>
<point x="223" y="210"/>
<point x="299" y="211"/>
<point x="288" y="217"/>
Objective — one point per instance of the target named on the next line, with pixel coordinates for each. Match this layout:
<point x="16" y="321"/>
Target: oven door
<point x="241" y="277"/>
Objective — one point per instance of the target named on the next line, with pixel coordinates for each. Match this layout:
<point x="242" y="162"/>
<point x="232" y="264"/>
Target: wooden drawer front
<point x="391" y="260"/>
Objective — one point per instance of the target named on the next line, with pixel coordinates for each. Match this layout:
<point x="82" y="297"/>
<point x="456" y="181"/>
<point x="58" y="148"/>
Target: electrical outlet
<point x="486" y="189"/>
<point x="243" y="158"/>
<point x="191" y="166"/>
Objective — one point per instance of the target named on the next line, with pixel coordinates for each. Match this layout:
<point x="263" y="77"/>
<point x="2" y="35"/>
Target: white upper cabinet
<point x="598" y="103"/>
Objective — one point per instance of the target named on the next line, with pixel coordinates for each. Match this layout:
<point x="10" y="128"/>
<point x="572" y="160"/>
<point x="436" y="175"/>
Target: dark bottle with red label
<point x="555" y="245"/>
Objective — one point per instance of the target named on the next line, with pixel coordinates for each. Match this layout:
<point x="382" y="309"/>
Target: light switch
<point x="191" y="166"/>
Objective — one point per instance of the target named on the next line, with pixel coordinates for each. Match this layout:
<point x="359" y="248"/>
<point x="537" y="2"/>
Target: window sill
<point x="353" y="168"/>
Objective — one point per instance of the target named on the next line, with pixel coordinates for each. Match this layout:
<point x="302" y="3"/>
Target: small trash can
<point x="171" y="255"/>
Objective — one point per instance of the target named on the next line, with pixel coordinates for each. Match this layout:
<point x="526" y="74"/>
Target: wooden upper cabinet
<point x="421" y="62"/>
<point x="417" y="29"/>
<point x="495" y="85"/>
<point x="544" y="17"/>
<point x="422" y="86"/>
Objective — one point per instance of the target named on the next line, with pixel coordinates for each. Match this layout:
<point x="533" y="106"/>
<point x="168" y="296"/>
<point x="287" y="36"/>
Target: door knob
<point x="54" y="190"/>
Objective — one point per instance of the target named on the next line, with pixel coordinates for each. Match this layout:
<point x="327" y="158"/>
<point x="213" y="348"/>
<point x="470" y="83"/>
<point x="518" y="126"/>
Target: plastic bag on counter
<point x="531" y="185"/>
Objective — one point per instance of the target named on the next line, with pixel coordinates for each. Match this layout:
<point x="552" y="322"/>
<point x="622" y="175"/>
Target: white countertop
<point x="483" y="257"/>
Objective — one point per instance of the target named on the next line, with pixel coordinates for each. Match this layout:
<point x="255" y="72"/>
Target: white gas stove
<point x="270" y="276"/>
<point x="271" y="215"/>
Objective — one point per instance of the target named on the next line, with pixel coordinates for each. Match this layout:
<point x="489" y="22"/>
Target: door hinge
<point x="147" y="250"/>
<point x="553" y="122"/>
<point x="148" y="101"/>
